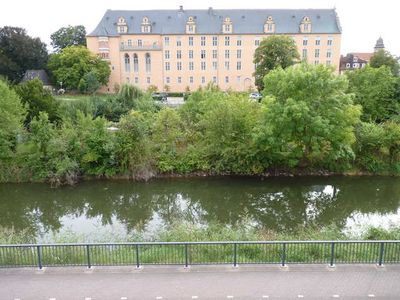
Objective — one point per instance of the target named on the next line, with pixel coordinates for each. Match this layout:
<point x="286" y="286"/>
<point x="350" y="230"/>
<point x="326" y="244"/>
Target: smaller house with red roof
<point x="358" y="60"/>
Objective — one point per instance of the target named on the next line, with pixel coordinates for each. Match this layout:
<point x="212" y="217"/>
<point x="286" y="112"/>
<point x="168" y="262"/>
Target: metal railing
<point x="200" y="253"/>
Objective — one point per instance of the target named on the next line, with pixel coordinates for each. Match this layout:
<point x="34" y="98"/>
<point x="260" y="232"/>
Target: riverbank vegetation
<point x="125" y="254"/>
<point x="309" y="121"/>
<point x="188" y="232"/>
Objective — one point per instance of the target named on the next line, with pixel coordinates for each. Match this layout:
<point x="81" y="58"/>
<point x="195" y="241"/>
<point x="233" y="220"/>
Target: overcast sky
<point x="362" y="21"/>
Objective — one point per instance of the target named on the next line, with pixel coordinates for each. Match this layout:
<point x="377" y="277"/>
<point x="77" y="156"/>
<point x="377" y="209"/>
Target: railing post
<point x="332" y="254"/>
<point x="186" y="256"/>
<point x="39" y="253"/>
<point x="137" y="256"/>
<point x="89" y="265"/>
<point x="381" y="251"/>
<point x="283" y="254"/>
<point x="235" y="254"/>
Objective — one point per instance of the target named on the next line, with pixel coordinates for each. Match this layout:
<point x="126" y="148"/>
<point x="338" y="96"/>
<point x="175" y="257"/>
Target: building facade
<point x="180" y="50"/>
<point x="358" y="60"/>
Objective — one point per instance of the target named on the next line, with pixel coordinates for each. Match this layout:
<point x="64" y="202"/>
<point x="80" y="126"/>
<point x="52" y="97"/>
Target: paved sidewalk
<point x="221" y="282"/>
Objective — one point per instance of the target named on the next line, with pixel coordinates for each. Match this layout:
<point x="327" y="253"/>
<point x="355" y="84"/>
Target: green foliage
<point x="384" y="58"/>
<point x="168" y="140"/>
<point x="129" y="93"/>
<point x="73" y="63"/>
<point x="37" y="99"/>
<point x="374" y="90"/>
<point x="227" y="140"/>
<point x="378" y="147"/>
<point x="89" y="83"/>
<point x="134" y="148"/>
<point x="61" y="154"/>
<point x="96" y="146"/>
<point x="68" y="36"/>
<point x="20" y="52"/>
<point x="12" y="114"/>
<point x="111" y="107"/>
<point x="273" y="52"/>
<point x="308" y="119"/>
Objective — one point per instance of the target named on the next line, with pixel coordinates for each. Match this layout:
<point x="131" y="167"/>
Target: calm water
<point x="121" y="207"/>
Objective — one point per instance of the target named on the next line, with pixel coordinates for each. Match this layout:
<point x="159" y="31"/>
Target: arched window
<point x="148" y="63"/>
<point x="135" y="63"/>
<point x="127" y="63"/>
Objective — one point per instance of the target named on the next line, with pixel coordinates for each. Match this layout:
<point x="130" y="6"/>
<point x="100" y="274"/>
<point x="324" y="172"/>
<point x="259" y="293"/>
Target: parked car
<point x="255" y="96"/>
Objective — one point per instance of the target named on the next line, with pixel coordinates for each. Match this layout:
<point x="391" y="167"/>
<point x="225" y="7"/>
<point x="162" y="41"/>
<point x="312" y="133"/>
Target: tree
<point x="168" y="140"/>
<point x="73" y="63"/>
<point x="89" y="83"/>
<point x="68" y="36"/>
<point x="375" y="91"/>
<point x="308" y="118"/>
<point x="134" y="147"/>
<point x="384" y="58"/>
<point x="273" y="52"/>
<point x="37" y="99"/>
<point x="20" y="52"/>
<point x="12" y="114"/>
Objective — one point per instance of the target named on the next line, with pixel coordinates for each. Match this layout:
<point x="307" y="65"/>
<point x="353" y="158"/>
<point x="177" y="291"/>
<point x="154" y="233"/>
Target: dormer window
<point x="146" y="25"/>
<point x="269" y="25"/>
<point x="190" y="26"/>
<point x="122" y="26"/>
<point x="305" y="25"/>
<point x="227" y="26"/>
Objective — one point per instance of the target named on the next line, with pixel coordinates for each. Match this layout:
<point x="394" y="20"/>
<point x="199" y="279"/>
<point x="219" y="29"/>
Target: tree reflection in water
<point x="280" y="204"/>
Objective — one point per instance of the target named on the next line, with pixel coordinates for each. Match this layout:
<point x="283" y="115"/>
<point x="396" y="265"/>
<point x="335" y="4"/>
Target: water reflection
<point x="280" y="204"/>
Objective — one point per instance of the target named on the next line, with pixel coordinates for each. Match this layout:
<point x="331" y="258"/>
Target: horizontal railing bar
<point x="206" y="243"/>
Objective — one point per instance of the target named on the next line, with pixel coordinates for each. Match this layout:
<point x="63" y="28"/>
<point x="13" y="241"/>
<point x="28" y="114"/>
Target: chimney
<point x="181" y="8"/>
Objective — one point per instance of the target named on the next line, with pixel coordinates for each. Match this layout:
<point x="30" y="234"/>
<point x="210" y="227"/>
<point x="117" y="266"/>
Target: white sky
<point x="363" y="21"/>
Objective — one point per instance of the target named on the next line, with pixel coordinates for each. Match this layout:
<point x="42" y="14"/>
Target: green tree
<point x="73" y="63"/>
<point x="37" y="99"/>
<point x="168" y="140"/>
<point x="384" y="58"/>
<point x="374" y="90"/>
<point x="20" y="52"/>
<point x="68" y="36"/>
<point x="134" y="147"/>
<point x="12" y="114"/>
<point x="273" y="52"/>
<point x="89" y="83"/>
<point x="370" y="147"/>
<point x="308" y="119"/>
<point x="227" y="141"/>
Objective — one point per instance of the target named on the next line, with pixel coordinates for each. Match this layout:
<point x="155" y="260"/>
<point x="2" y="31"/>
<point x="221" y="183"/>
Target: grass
<point x="206" y="253"/>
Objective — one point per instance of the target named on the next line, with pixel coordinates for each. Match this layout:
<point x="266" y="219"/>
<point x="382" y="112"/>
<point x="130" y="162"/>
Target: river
<point x="118" y="208"/>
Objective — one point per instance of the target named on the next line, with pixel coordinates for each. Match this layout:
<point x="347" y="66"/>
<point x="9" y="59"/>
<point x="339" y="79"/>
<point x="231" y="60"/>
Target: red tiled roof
<point x="363" y="56"/>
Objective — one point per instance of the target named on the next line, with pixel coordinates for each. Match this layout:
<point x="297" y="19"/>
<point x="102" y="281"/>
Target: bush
<point x="12" y="114"/>
<point x="89" y="83"/>
<point x="308" y="118"/>
<point x="37" y="99"/>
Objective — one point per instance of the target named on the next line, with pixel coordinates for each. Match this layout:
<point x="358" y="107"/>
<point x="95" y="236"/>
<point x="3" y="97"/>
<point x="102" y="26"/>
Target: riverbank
<point x="151" y="174"/>
<point x="186" y="232"/>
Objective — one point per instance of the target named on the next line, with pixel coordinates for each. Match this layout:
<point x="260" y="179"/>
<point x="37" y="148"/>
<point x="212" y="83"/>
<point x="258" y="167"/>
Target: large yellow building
<point x="183" y="49"/>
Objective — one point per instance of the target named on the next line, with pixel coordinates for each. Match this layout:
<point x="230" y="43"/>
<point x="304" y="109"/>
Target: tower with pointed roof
<point x="379" y="45"/>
